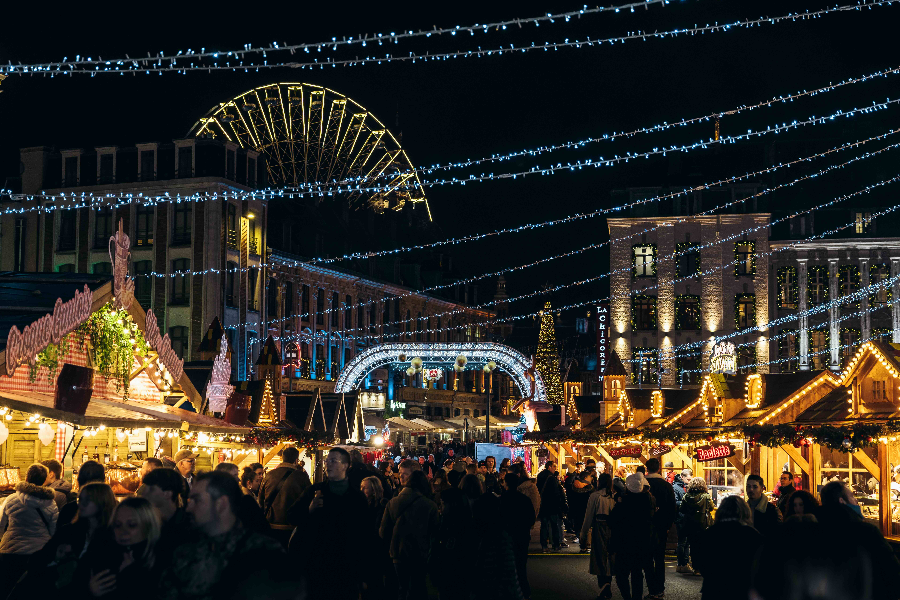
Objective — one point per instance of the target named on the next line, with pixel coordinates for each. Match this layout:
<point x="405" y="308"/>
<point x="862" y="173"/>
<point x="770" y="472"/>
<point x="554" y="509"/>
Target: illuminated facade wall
<point x="717" y="288"/>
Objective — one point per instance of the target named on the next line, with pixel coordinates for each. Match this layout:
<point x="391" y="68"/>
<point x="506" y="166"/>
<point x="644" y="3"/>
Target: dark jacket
<point x="518" y="515"/>
<point x="631" y="522"/>
<point x="139" y="577"/>
<point x="842" y="523"/>
<point x="784" y="495"/>
<point x="766" y="516"/>
<point x="664" y="496"/>
<point x="275" y="504"/>
<point x="330" y="538"/>
<point x="696" y="510"/>
<point x="724" y="554"/>
<point x="553" y="497"/>
<point x="410" y="522"/>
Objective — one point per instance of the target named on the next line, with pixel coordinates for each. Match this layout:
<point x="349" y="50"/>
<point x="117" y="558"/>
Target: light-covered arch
<point x="510" y="360"/>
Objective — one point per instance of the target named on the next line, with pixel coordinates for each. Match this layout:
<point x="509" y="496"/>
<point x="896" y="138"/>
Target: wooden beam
<point x="268" y="456"/>
<point x="738" y="464"/>
<point x="870" y="465"/>
<point x="795" y="456"/>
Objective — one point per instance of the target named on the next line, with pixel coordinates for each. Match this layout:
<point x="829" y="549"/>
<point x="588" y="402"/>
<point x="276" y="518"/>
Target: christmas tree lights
<point x="547" y="357"/>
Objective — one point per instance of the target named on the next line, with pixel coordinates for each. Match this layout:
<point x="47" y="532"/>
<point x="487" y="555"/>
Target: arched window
<point x="291" y="360"/>
<point x="407" y="325"/>
<point x="419" y="327"/>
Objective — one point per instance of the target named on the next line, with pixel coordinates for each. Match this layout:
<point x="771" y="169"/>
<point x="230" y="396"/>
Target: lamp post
<point x="489" y="371"/>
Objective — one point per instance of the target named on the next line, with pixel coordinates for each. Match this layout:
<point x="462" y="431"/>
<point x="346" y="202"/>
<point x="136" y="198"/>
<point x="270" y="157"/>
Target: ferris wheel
<point x="314" y="137"/>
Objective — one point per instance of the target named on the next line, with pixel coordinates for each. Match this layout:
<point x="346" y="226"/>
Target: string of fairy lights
<point x="654" y="286"/>
<point x="362" y="40"/>
<point x="367" y="303"/>
<point x="234" y="61"/>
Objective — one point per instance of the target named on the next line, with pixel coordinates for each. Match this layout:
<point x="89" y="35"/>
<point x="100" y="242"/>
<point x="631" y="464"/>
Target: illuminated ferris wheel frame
<point x="311" y="135"/>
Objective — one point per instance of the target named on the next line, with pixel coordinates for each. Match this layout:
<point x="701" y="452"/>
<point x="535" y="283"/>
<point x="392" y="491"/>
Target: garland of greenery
<point x="651" y="355"/>
<point x="270" y="436"/>
<point x="642" y="298"/>
<point x="115" y="341"/>
<point x="738" y="262"/>
<point x="844" y="438"/>
<point x="737" y="302"/>
<point x="49" y="358"/>
<point x="788" y="289"/>
<point x="634" y="257"/>
<point x="681" y="305"/>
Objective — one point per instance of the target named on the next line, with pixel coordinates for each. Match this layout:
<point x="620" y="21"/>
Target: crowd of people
<point x="374" y="532"/>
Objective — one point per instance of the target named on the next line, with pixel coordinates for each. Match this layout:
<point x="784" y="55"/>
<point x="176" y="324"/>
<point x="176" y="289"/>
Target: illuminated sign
<point x="433" y="374"/>
<point x="714" y="452"/>
<point x="724" y="359"/>
<point x="123" y="286"/>
<point x="625" y="451"/>
<point x="660" y="450"/>
<point x="219" y="390"/>
<point x="602" y="338"/>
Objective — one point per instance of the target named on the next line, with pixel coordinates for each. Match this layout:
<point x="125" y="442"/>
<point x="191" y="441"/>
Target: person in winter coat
<point x="62" y="489"/>
<point x="679" y="486"/>
<point x="282" y="487"/>
<point x="726" y="575"/>
<point x="456" y="535"/>
<point x="766" y="516"/>
<point x="90" y="471"/>
<point x="373" y="579"/>
<point x="128" y="564"/>
<point x="553" y="507"/>
<point x="528" y="487"/>
<point x="801" y="503"/>
<point x="410" y="522"/>
<point x="596" y="521"/>
<point x="696" y="511"/>
<point x="784" y="491"/>
<point x="582" y="487"/>
<point x="518" y="519"/>
<point x="329" y="520"/>
<point x="496" y="577"/>
<point x="631" y="522"/>
<point x="28" y="521"/>
<point x="664" y="496"/>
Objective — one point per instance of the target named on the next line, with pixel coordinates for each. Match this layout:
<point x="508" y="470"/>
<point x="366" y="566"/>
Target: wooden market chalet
<point x="64" y="393"/>
<point x="865" y="393"/>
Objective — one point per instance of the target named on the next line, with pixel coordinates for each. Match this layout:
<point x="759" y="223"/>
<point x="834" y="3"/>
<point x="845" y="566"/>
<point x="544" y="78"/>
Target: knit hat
<point x="669" y="465"/>
<point x="635" y="483"/>
<point x="459" y="465"/>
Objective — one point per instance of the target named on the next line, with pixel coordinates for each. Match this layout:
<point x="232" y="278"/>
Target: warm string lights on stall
<point x="234" y="60"/>
<point x="138" y="64"/>
<point x="737" y="235"/>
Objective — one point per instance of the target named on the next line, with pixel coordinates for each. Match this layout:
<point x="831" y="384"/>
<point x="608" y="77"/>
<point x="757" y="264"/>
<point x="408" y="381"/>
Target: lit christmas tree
<point x="547" y="360"/>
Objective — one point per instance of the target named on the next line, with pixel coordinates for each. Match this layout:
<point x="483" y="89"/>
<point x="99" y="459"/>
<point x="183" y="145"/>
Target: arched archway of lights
<point x="310" y="134"/>
<point x="443" y="354"/>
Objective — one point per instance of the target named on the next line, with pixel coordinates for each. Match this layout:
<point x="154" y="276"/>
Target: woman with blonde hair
<point x="127" y="564"/>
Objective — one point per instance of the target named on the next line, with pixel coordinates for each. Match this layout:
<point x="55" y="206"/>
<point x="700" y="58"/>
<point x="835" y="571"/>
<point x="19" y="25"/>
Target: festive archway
<point x="438" y="354"/>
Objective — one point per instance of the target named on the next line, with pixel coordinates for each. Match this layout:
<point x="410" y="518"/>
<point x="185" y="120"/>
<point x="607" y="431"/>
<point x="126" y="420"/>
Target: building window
<point x="253" y="299"/>
<point x="863" y="221"/>
<point x="789" y="351"/>
<point x="879" y="391"/>
<point x="231" y="232"/>
<point x="643" y="312"/>
<point x="335" y="310"/>
<point x="181" y="231"/>
<point x="102" y="268"/>
<point x="645" y="366"/>
<point x="848" y="283"/>
<point x="143" y="284"/>
<point x="744" y="311"/>
<point x="304" y="303"/>
<point x="882" y="295"/>
<point x="883" y="335"/>
<point x="348" y="312"/>
<point x="687" y="259"/>
<point x="361" y="318"/>
<point x="272" y="298"/>
<point x="787" y="288"/>
<point x="373" y="316"/>
<point x="320" y="307"/>
<point x="185" y="162"/>
<point x="846" y="467"/>
<point x="688" y="370"/>
<point x="144" y="226"/>
<point x="643" y="260"/>
<point x="231" y="293"/>
<point x="818" y="349"/>
<point x="385" y="311"/>
<point x="849" y="343"/>
<point x="817" y="285"/>
<point x="407" y="325"/>
<point x="419" y="327"/>
<point x="745" y="258"/>
<point x="68" y="221"/>
<point x="102" y="227"/>
<point x="19" y="250"/>
<point x="66" y="268"/>
<point x="179" y="338"/>
<point x="687" y="312"/>
<point x="181" y="284"/>
<point x="746" y="359"/>
<point x="288" y="302"/>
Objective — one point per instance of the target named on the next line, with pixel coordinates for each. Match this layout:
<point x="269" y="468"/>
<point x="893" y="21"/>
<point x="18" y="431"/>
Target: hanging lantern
<point x="461" y="360"/>
<point x="402" y="357"/>
<point x="120" y="435"/>
<point x="492" y="365"/>
<point x="486" y="369"/>
<point x="45" y="433"/>
<point x="416" y="363"/>
<point x="410" y="371"/>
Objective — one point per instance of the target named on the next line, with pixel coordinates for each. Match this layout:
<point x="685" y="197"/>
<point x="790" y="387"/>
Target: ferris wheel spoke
<point x="332" y="131"/>
<point x="348" y="143"/>
<point x="314" y="133"/>
<point x="365" y="152"/>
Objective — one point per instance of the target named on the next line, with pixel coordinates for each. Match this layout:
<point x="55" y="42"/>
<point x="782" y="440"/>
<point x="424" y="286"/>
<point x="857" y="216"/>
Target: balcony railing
<point x="231" y="238"/>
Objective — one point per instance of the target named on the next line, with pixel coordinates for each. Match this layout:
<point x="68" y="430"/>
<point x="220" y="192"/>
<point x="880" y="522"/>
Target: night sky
<point x="469" y="108"/>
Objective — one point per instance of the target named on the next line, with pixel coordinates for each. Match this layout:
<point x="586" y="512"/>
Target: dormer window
<point x="879" y="391"/>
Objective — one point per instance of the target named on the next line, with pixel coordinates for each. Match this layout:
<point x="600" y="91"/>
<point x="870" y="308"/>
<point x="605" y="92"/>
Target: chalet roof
<point x="614" y="366"/>
<point x="255" y="390"/>
<point x="589" y="404"/>
<point x="269" y="355"/>
<point x="212" y="337"/>
<point x="199" y="372"/>
<point x="674" y="398"/>
<point x="780" y="386"/>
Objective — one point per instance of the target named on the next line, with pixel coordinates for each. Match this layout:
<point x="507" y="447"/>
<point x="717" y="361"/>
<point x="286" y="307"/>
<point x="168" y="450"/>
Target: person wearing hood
<point x="631" y="524"/>
<point x="28" y="521"/>
<point x="696" y="511"/>
<point x="410" y="523"/>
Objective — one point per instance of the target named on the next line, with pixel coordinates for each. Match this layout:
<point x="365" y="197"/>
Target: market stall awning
<point x="435" y="425"/>
<point x="409" y="425"/>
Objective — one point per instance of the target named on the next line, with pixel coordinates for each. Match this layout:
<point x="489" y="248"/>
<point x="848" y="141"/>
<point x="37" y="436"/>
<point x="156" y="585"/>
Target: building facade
<point x="678" y="281"/>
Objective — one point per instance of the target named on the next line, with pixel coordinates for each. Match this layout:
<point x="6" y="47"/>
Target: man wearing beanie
<point x="631" y="522"/>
